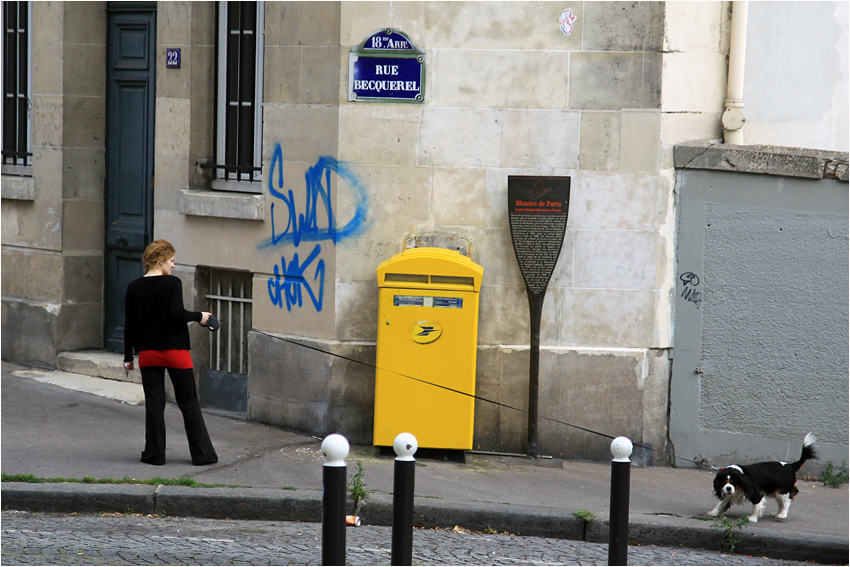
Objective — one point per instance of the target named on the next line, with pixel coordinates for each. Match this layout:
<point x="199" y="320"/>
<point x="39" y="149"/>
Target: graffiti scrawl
<point x="316" y="223"/>
<point x="289" y="279"/>
<point x="690" y="281"/>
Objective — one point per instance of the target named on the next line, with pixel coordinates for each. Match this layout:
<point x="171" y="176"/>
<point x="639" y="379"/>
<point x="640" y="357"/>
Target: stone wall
<point x="507" y="93"/>
<point x="800" y="117"/>
<point x="52" y="222"/>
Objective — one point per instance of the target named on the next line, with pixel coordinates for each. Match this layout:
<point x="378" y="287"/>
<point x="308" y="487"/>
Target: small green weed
<point x="837" y="477"/>
<point x="585" y="515"/>
<point x="357" y="488"/>
<point x="730" y="538"/>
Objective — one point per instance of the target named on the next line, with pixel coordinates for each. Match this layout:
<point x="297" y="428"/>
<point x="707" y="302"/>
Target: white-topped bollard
<point x="621" y="448"/>
<point x="335" y="449"/>
<point x="618" y="525"/>
<point x="405" y="446"/>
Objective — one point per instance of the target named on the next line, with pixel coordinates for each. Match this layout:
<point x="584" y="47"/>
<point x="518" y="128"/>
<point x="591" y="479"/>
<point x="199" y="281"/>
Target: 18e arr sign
<point x="386" y="67"/>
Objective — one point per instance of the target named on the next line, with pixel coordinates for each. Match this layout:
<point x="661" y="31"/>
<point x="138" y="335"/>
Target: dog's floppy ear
<point x="718" y="485"/>
<point x="750" y="487"/>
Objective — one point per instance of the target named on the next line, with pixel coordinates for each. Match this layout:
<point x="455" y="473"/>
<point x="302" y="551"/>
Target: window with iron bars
<point x="17" y="88"/>
<point x="239" y="97"/>
<point x="229" y="299"/>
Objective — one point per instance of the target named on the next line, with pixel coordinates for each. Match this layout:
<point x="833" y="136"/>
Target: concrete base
<point x="35" y="331"/>
<point x="30" y="331"/>
<point x="293" y="383"/>
<point x="610" y="392"/>
<point x="302" y="388"/>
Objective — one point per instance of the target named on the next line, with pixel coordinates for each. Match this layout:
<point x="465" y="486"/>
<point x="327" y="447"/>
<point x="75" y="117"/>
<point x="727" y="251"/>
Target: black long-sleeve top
<point x="154" y="317"/>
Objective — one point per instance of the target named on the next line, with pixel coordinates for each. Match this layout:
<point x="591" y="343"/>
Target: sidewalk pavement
<point x="52" y="431"/>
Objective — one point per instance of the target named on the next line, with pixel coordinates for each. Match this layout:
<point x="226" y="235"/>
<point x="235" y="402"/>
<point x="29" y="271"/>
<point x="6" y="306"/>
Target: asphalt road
<point x="57" y="539"/>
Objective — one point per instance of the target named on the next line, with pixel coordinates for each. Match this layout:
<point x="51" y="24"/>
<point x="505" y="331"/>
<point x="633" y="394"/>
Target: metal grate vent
<point x="229" y="298"/>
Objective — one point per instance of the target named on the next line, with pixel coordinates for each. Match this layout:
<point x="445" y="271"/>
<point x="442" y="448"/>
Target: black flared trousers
<point x="183" y="380"/>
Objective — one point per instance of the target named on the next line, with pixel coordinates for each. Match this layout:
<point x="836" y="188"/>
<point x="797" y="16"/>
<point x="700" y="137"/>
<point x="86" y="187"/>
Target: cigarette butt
<point x="352" y="521"/>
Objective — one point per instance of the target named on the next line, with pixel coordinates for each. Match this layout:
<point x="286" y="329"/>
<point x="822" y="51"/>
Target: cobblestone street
<point x="57" y="539"/>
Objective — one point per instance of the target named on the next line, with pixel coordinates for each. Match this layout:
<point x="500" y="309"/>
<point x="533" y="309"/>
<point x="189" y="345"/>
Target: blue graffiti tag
<point x="294" y="280"/>
<point x="317" y="223"/>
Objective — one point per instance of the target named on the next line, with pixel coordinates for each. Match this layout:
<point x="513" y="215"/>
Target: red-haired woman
<point x="156" y="326"/>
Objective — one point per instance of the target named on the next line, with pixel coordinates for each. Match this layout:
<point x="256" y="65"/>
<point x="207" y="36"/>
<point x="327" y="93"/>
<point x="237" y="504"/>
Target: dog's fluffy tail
<point x="808" y="451"/>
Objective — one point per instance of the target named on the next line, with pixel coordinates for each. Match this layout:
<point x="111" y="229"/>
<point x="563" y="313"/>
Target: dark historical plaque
<point x="537" y="213"/>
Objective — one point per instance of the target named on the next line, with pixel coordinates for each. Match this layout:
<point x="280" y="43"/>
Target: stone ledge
<point x="222" y="205"/>
<point x="770" y="160"/>
<point x="99" y="364"/>
<point x="17" y="187"/>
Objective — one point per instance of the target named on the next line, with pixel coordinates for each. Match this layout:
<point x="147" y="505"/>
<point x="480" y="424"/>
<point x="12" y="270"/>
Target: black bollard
<point x="335" y="449"/>
<point x="405" y="446"/>
<point x="618" y="526"/>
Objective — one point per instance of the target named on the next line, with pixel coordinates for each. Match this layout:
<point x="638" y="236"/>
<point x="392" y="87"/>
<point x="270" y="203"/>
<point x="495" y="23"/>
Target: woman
<point x="155" y="325"/>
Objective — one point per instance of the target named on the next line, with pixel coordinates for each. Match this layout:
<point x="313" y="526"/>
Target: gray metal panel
<point x="760" y="355"/>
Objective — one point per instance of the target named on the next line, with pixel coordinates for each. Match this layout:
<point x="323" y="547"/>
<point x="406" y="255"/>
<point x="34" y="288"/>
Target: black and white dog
<point x="737" y="484"/>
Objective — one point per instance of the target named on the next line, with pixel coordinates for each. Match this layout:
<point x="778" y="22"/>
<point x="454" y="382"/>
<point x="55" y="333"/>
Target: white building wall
<point x="796" y="75"/>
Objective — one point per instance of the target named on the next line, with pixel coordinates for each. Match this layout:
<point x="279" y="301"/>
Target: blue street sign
<point x="387" y="78"/>
<point x="386" y="67"/>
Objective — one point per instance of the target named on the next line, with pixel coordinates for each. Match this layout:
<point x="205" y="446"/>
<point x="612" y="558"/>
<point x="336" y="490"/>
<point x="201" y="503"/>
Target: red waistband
<point x="172" y="358"/>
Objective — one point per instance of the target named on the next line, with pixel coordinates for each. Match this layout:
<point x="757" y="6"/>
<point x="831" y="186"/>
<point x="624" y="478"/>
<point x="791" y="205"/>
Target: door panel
<point x="130" y="154"/>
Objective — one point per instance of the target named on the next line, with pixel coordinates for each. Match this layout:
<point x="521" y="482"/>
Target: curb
<point x="272" y="504"/>
<point x="67" y="498"/>
<point x="755" y="541"/>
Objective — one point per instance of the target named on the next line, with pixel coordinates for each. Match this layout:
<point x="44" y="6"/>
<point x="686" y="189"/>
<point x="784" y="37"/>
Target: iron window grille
<point x="229" y="299"/>
<point x="17" y="88"/>
<point x="239" y="97"/>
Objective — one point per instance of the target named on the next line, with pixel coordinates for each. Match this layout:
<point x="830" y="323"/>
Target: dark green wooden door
<point x="131" y="74"/>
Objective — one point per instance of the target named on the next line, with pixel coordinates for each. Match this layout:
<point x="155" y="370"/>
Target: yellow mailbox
<point x="427" y="332"/>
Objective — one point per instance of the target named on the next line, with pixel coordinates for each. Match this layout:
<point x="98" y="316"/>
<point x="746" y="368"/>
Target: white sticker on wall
<point x="566" y="20"/>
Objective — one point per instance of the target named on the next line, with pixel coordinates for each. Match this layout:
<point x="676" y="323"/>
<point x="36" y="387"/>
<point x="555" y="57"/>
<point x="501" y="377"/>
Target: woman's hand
<point x="205" y="316"/>
<point x="128" y="365"/>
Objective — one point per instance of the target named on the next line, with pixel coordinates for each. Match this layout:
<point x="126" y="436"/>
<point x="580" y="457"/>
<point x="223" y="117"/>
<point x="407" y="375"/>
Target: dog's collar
<point x="736" y="467"/>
